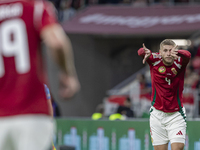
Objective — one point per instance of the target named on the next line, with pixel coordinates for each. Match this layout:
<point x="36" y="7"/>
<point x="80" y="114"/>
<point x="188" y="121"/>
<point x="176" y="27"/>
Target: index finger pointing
<point x="176" y="47"/>
<point x="144" y="46"/>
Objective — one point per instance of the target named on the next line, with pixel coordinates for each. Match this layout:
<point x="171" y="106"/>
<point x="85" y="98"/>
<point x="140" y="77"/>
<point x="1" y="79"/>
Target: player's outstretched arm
<point x="184" y="54"/>
<point x="61" y="52"/>
<point x="174" y="52"/>
<point x="144" y="52"/>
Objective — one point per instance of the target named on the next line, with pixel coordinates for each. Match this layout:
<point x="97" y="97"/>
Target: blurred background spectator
<point x="66" y="10"/>
<point x="126" y="109"/>
<point x="99" y="113"/>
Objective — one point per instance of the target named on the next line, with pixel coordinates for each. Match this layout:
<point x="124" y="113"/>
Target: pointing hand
<point x="174" y="52"/>
<point x="147" y="53"/>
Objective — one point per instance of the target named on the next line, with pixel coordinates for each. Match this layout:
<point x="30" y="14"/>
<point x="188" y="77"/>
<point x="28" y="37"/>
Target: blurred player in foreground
<point x="25" y="123"/>
<point x="167" y="114"/>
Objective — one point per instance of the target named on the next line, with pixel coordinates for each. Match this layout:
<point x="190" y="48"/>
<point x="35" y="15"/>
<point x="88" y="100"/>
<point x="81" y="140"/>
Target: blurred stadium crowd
<point x="68" y="8"/>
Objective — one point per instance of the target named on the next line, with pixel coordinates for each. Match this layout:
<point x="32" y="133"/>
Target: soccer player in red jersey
<point x="167" y="114"/>
<point x="25" y="123"/>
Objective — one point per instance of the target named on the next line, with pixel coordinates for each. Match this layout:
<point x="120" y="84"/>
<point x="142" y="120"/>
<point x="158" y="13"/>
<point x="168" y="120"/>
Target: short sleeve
<point x="153" y="59"/>
<point x="44" y="14"/>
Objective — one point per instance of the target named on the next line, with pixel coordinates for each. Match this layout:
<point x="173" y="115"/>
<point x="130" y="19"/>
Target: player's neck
<point x="167" y="64"/>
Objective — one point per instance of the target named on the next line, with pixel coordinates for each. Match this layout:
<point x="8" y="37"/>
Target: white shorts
<point x="26" y="132"/>
<point x="165" y="127"/>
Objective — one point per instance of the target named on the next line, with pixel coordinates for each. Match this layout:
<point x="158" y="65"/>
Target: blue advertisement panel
<point x="86" y="134"/>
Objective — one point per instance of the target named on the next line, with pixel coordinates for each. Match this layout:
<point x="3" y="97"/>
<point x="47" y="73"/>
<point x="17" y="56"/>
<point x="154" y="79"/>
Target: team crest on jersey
<point x="174" y="71"/>
<point x="161" y="69"/>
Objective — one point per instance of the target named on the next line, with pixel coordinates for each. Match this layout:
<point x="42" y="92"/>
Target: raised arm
<point x="144" y="52"/>
<point x="185" y="55"/>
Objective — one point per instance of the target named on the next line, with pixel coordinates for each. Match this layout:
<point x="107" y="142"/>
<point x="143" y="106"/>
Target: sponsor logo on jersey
<point x="179" y="133"/>
<point x="174" y="71"/>
<point x="161" y="69"/>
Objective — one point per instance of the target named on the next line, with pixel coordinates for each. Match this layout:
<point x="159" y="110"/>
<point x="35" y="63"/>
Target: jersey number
<point x="168" y="80"/>
<point x="14" y="43"/>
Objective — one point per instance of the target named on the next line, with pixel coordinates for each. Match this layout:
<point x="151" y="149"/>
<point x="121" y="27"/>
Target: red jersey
<point x="167" y="81"/>
<point x="21" y="76"/>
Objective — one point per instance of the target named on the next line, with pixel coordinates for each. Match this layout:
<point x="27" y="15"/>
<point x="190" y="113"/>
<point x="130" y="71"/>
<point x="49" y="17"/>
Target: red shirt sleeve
<point x="48" y="15"/>
<point x="141" y="52"/>
<point x="185" y="55"/>
<point x="152" y="59"/>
